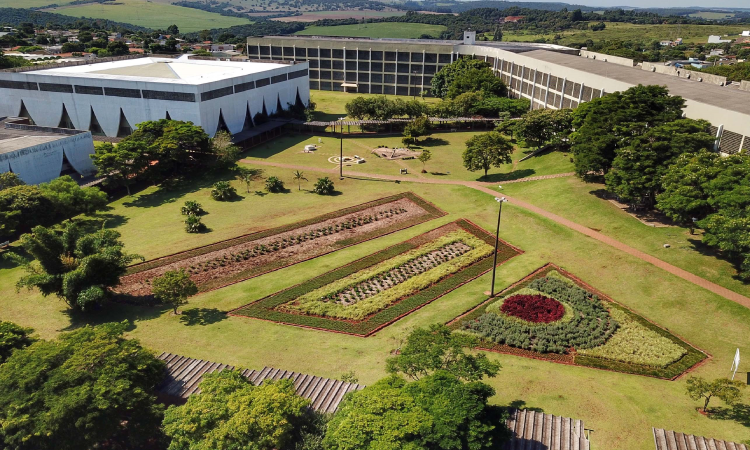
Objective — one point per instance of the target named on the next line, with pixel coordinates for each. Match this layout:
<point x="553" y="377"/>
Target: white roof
<point x="14" y="143"/>
<point x="181" y="70"/>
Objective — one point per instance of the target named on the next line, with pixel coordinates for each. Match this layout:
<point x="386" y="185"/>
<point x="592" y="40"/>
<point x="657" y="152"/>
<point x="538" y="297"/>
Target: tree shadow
<point x="515" y="175"/>
<point x="261" y="193"/>
<point x="112" y="312"/>
<point x="202" y="316"/>
<point x="170" y="192"/>
<point x="739" y="413"/>
<point x="521" y="404"/>
<point x="433" y="142"/>
<point x="335" y="193"/>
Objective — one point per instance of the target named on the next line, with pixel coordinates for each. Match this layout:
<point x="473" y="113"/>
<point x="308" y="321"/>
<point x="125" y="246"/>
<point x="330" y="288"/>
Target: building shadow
<point x="278" y="145"/>
<point x="202" y="316"/>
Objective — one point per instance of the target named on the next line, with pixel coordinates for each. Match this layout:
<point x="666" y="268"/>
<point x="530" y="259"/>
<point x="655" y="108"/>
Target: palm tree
<point x="298" y="177"/>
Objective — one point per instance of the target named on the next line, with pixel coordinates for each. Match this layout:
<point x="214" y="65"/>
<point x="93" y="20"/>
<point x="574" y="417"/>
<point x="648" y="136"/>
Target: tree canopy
<point x="722" y="388"/>
<point x="467" y="75"/>
<point x="87" y="388"/>
<point x="231" y="413"/>
<point x="70" y="199"/>
<point x="77" y="266"/>
<point x="173" y="288"/>
<point x="487" y="150"/>
<point x="542" y="126"/>
<point x="13" y="337"/>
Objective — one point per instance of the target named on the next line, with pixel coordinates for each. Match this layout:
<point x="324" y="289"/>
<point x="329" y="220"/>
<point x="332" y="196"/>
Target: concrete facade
<point x="549" y="76"/>
<point x="112" y="98"/>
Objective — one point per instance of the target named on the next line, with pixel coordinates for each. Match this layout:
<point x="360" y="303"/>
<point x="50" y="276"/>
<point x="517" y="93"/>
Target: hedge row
<point x="266" y="308"/>
<point x="432" y="213"/>
<point x="691" y="358"/>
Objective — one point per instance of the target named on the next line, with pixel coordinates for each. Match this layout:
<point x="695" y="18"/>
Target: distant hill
<point x="16" y="16"/>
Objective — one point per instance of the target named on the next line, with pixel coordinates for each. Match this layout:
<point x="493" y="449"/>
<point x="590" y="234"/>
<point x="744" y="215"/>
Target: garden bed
<point x="368" y="294"/>
<point x="598" y="332"/>
<point x="226" y="262"/>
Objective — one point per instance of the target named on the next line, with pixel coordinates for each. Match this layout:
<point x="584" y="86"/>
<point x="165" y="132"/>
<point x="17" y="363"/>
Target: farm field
<point x="376" y="30"/>
<point x="312" y="16"/>
<point x="153" y="15"/>
<point x="626" y="31"/>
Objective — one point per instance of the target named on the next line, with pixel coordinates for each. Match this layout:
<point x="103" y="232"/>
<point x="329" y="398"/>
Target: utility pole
<point x="500" y="200"/>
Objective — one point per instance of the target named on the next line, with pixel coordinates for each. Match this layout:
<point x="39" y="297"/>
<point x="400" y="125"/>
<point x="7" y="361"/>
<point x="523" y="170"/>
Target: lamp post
<point x="500" y="200"/>
<point x="341" y="149"/>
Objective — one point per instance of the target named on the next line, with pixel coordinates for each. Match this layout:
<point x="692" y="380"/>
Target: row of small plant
<point x="268" y="307"/>
<point x="279" y="244"/>
<point x="316" y="302"/>
<point x="591" y="325"/>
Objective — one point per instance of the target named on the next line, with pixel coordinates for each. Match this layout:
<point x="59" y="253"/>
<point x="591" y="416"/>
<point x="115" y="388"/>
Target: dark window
<point x="252" y="50"/>
<point x="338" y="76"/>
<point x="403" y="68"/>
<point x="403" y="56"/>
<point x="325" y="74"/>
<point x="314" y="74"/>
<point x="338" y="53"/>
<point x="440" y="68"/>
<point x="262" y="82"/>
<point x="325" y="85"/>
<point x="416" y="68"/>
<point x="300" y="52"/>
<point x="325" y="53"/>
<point x="376" y="67"/>
<point x="351" y="54"/>
<point x="242" y="87"/>
<point x="312" y="52"/>
<point x="364" y="54"/>
<point x="363" y="77"/>
<point x="314" y="85"/>
<point x="351" y="76"/>
<point x="430" y="57"/>
<point x="216" y="93"/>
<point x="389" y="90"/>
<point x="416" y="57"/>
<point x="298" y="74"/>
<point x="172" y="96"/>
<point x="55" y="87"/>
<point x="119" y="92"/>
<point x="275" y="51"/>
<point x="389" y="79"/>
<point x="313" y="63"/>
<point x="427" y="81"/>
<point x="414" y="91"/>
<point x="444" y="58"/>
<point x="390" y="56"/>
<point x="377" y="56"/>
<point x="402" y="90"/>
<point x="278" y="78"/>
<point x="338" y="65"/>
<point x="325" y="63"/>
<point x="389" y="67"/>
<point x="363" y="88"/>
<point x="90" y="90"/>
<point x="376" y="78"/>
<point x="402" y="79"/>
<point x="364" y="66"/>
<point x="376" y="89"/>
<point x="265" y="50"/>
<point x="288" y="51"/>
<point x="351" y="65"/>
<point x="429" y="69"/>
<point x="416" y="79"/>
<point x="337" y="87"/>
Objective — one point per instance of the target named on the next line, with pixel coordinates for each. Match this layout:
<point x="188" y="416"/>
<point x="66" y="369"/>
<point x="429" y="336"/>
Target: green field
<point x="31" y="3"/>
<point x="376" y="30"/>
<point x="713" y="15"/>
<point x="621" y="409"/>
<point x="627" y="31"/>
<point x="153" y="15"/>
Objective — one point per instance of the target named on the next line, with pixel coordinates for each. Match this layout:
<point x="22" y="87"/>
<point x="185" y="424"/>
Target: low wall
<point x="745" y="85"/>
<point x="685" y="73"/>
<point x="608" y="58"/>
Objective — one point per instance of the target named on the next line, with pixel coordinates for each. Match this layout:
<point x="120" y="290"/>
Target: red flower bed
<point x="533" y="308"/>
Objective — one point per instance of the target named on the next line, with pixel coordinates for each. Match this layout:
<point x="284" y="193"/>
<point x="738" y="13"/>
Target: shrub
<point x="324" y="186"/>
<point x="274" y="185"/>
<point x="193" y="224"/>
<point x="533" y="308"/>
<point x="223" y="191"/>
<point x="192" y="207"/>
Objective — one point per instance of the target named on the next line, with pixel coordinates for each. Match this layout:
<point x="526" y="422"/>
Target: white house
<point x="717" y="40"/>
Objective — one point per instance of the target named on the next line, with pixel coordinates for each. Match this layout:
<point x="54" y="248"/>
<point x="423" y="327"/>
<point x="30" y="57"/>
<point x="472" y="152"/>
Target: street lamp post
<point x="500" y="200"/>
<point x="341" y="149"/>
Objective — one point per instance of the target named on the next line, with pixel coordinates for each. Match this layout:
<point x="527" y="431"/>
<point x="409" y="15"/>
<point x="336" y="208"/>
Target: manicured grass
<point x="581" y="202"/>
<point x="153" y="15"/>
<point x="627" y="31"/>
<point x="376" y="30"/>
<point x="620" y="408"/>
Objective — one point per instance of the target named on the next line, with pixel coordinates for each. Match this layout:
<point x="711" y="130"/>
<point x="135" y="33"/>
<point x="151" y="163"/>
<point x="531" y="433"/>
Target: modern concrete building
<point x="111" y="98"/>
<point x="550" y="76"/>
<point x="38" y="154"/>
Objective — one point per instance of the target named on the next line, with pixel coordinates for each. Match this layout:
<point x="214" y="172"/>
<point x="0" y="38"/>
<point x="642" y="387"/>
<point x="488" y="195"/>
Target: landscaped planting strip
<point x="693" y="357"/>
<point x="432" y="213"/>
<point x="265" y="308"/>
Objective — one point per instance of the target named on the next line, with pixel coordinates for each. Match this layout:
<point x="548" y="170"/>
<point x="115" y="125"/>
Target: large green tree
<point x="13" y="337"/>
<point x="487" y="150"/>
<point x="23" y="207"/>
<point x="231" y="413"/>
<point x="77" y="266"/>
<point x="90" y="388"/>
<point x="436" y="348"/>
<point x="608" y="123"/>
<point x="120" y="164"/>
<point x="437" y="412"/>
<point x="722" y="388"/>
<point x="10" y="179"/>
<point x="543" y="126"/>
<point x="70" y="199"/>
<point x="467" y="75"/>
<point x="174" y="287"/>
<point x="638" y="170"/>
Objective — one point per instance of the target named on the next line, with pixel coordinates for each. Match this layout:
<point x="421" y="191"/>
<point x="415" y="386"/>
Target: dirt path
<point x="483" y="187"/>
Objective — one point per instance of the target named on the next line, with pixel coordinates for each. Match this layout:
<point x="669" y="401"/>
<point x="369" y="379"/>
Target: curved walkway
<point x="483" y="187"/>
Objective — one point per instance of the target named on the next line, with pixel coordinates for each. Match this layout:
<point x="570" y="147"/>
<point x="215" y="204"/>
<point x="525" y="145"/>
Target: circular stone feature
<point x="533" y="308"/>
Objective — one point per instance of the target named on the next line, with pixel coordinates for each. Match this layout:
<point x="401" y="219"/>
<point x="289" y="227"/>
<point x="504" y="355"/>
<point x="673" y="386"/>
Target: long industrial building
<point x="111" y="98"/>
<point x="550" y="76"/>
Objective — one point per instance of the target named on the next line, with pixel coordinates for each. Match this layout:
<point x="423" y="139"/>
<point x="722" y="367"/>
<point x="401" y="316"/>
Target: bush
<point x="223" y="191"/>
<point x="193" y="224"/>
<point x="192" y="208"/>
<point x="324" y="186"/>
<point x="274" y="185"/>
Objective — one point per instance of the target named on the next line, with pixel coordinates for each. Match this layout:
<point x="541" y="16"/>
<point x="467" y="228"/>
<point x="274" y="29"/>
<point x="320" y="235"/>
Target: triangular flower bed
<point x="552" y="315"/>
<point x="366" y="295"/>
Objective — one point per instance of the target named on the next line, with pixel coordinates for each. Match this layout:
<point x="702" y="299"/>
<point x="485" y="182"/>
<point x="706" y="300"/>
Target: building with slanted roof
<point x="111" y="98"/>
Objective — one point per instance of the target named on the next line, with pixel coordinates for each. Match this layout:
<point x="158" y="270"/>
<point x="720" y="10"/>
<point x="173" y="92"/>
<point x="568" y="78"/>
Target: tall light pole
<point x="500" y="200"/>
<point x="341" y="149"/>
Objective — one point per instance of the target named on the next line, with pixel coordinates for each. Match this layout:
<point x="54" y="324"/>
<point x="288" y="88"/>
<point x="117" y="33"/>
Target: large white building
<point x="111" y="98"/>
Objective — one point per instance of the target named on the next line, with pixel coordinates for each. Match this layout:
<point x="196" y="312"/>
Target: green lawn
<point x="627" y="31"/>
<point x="376" y="30"/>
<point x="153" y="15"/>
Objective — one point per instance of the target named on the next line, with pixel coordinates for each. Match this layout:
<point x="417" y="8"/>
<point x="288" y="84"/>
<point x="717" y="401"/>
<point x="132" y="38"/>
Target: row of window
<point x="415" y="80"/>
<point x="370" y="88"/>
<point x="361" y="55"/>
